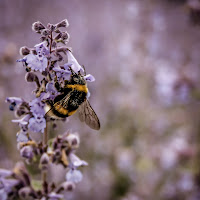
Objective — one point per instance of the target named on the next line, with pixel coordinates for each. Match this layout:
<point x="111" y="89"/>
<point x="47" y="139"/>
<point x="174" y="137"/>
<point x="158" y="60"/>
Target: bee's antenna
<point x="84" y="70"/>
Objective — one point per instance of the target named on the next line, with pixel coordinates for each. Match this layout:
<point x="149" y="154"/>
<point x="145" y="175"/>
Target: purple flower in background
<point x="5" y="173"/>
<point x="27" y="152"/>
<point x="3" y="194"/>
<point x="74" y="175"/>
<point x="37" y="123"/>
<point x="22" y="136"/>
<point x="7" y="185"/>
<point x="76" y="161"/>
<point x="54" y="196"/>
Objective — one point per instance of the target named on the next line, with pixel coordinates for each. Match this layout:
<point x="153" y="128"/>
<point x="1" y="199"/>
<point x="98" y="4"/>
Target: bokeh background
<point x="145" y="57"/>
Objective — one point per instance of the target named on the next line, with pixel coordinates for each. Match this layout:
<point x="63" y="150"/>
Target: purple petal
<point x="16" y="100"/>
<point x="3" y="194"/>
<point x="21" y="60"/>
<point x="42" y="48"/>
<point x="22" y="136"/>
<point x="23" y="120"/>
<point x="76" y="161"/>
<point x="5" y="173"/>
<point x="74" y="175"/>
<point x="37" y="124"/>
<point x="37" y="107"/>
<point x="73" y="62"/>
<point x="89" y="78"/>
<point x="36" y="62"/>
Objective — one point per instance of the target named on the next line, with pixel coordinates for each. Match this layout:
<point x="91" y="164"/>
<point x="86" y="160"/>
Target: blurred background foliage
<point x="145" y="57"/>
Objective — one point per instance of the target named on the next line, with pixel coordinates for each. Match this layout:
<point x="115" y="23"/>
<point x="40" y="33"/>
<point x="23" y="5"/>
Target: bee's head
<point x="77" y="79"/>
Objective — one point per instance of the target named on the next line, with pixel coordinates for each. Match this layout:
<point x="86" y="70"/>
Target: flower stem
<point x="44" y="172"/>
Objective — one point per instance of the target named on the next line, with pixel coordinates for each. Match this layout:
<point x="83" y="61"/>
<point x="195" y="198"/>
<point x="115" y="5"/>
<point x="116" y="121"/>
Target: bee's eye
<point x="76" y="79"/>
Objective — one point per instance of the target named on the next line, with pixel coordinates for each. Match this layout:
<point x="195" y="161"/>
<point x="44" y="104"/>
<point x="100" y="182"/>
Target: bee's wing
<point x="87" y="115"/>
<point x="59" y="105"/>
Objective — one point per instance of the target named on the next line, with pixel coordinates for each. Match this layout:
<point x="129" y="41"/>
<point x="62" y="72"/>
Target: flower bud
<point x="45" y="32"/>
<point x="14" y="101"/>
<point x="31" y="77"/>
<point x="44" y="161"/>
<point x="37" y="27"/>
<point x="60" y="58"/>
<point x="42" y="38"/>
<point x="12" y="106"/>
<point x="73" y="141"/>
<point x="27" y="152"/>
<point x="24" y="51"/>
<point x="66" y="186"/>
<point x="20" y="111"/>
<point x="65" y="36"/>
<point x="64" y="23"/>
<point x="52" y="27"/>
<point x="58" y="36"/>
<point x="54" y="44"/>
<point x="33" y="51"/>
<point x="27" y="193"/>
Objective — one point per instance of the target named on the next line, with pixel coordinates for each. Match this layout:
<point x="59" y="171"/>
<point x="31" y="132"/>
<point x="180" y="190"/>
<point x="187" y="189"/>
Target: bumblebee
<point x="72" y="97"/>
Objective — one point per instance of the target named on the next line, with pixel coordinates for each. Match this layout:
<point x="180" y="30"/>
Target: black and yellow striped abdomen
<point x="67" y="103"/>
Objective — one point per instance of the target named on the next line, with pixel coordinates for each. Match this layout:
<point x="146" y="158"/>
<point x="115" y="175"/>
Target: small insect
<point x="73" y="97"/>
